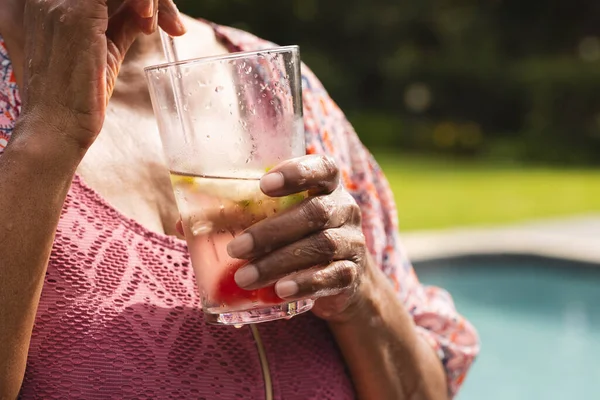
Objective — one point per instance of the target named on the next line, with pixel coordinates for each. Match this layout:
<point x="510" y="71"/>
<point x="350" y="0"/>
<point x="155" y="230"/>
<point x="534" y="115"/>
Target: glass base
<point x="255" y="316"/>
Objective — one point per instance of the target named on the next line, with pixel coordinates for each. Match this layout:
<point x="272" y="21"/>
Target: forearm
<point x="35" y="176"/>
<point x="386" y="357"/>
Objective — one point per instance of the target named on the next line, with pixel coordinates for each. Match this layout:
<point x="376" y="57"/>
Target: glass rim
<point x="224" y="57"/>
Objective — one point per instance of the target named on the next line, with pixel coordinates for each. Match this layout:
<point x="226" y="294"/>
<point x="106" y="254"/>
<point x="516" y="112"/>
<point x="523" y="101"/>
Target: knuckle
<point x="318" y="282"/>
<point x="345" y="274"/>
<point x="318" y="211"/>
<point x="329" y="166"/>
<point x="325" y="243"/>
<point x="328" y="242"/>
<point x="347" y="211"/>
<point x="355" y="213"/>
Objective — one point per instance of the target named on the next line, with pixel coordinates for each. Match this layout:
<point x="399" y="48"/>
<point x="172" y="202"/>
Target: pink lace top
<point x="119" y="315"/>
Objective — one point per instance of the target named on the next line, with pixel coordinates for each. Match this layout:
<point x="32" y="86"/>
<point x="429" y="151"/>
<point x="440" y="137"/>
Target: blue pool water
<point x="539" y="322"/>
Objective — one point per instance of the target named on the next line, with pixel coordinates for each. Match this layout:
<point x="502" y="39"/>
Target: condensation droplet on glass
<point x="219" y="89"/>
<point x="248" y="70"/>
<point x="201" y="227"/>
<point x="256" y="76"/>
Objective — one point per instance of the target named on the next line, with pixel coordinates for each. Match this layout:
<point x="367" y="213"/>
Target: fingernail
<point x="241" y="246"/>
<point x="286" y="289"/>
<point x="148" y="11"/>
<point x="272" y="182"/>
<point x="246" y="276"/>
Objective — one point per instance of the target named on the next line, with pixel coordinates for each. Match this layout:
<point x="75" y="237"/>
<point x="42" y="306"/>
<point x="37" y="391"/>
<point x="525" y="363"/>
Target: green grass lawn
<point x="435" y="193"/>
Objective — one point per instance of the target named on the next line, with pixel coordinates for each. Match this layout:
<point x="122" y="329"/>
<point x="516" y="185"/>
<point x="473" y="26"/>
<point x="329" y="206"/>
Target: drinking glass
<point x="224" y="122"/>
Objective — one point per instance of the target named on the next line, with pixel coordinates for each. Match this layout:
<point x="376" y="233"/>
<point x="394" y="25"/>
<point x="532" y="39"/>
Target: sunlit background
<point x="485" y="116"/>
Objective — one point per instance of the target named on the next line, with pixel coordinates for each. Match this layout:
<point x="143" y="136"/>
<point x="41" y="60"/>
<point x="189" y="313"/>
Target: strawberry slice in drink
<point x="230" y="294"/>
<point x="268" y="296"/>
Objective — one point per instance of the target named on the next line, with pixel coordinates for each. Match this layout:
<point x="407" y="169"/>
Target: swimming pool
<point x="539" y="322"/>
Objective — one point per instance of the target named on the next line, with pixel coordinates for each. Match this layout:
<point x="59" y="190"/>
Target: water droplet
<point x="201" y="227"/>
<point x="297" y="252"/>
<point x="219" y="89"/>
<point x="248" y="70"/>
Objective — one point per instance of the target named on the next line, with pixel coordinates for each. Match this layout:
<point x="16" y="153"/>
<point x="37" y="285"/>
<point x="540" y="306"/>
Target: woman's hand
<point x="73" y="52"/>
<point x="315" y="249"/>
